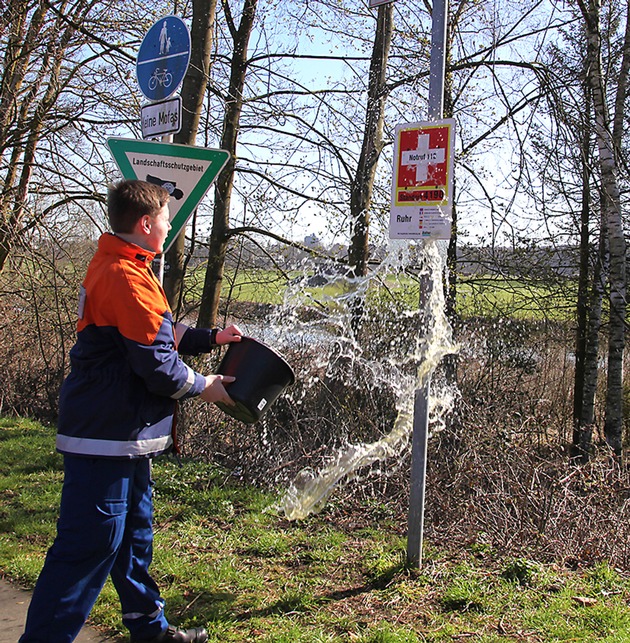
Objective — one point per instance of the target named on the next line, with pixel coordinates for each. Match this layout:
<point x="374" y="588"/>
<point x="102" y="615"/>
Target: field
<point x="476" y="296"/>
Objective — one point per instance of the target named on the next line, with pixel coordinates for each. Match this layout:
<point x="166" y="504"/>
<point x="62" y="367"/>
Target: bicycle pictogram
<point x="162" y="77"/>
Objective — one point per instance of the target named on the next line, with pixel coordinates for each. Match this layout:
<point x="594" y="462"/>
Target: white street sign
<point x="376" y="3"/>
<point x="161" y="118"/>
<point x="422" y="182"/>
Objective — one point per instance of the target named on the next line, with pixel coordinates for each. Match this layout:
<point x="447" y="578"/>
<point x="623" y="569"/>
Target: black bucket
<point x="261" y="375"/>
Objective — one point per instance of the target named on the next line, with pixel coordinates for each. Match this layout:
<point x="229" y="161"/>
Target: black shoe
<point x="175" y="635"/>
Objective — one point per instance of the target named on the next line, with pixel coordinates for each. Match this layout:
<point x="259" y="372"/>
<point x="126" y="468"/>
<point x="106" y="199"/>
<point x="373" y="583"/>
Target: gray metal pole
<point x="438" y="60"/>
<point x="166" y="138"/>
<point x="419" y="444"/>
<point x="415" y="522"/>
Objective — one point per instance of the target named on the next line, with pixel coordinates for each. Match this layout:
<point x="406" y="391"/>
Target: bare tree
<point x="223" y="193"/>
<point x="64" y="87"/>
<point x="35" y="74"/>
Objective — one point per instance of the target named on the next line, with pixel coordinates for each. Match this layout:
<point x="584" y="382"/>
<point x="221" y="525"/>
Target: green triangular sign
<point x="187" y="172"/>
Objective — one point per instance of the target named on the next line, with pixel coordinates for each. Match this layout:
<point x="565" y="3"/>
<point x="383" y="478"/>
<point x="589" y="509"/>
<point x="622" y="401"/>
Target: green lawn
<point x="225" y="560"/>
<point x="476" y="297"/>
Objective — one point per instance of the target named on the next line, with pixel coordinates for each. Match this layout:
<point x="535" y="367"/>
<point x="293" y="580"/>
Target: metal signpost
<point x="419" y="164"/>
<point x="161" y="65"/>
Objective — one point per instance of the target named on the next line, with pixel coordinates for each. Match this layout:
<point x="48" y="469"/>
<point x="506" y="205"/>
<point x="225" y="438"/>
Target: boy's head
<point x="129" y="201"/>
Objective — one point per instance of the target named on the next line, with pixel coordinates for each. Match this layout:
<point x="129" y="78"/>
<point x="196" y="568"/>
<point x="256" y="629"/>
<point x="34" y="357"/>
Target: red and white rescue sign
<point x="422" y="185"/>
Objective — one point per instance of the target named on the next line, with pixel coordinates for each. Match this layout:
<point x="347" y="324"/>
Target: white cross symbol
<point x="422" y="157"/>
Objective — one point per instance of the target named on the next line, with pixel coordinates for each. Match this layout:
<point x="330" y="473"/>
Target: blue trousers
<point x="105" y="527"/>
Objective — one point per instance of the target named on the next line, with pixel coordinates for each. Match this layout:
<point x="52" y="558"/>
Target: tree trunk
<point x="219" y="237"/>
<point x="193" y="94"/>
<point x="451" y="361"/>
<point x="591" y="358"/>
<point x="581" y="445"/>
<point x="363" y="183"/>
<point x="611" y="207"/>
<point x="583" y="423"/>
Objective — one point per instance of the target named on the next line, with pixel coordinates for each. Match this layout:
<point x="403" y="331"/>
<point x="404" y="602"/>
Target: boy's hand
<point x="227" y="335"/>
<point x="215" y="391"/>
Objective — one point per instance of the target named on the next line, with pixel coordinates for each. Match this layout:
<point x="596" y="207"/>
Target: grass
<point x="476" y="296"/>
<point x="224" y="560"/>
<point x="517" y="299"/>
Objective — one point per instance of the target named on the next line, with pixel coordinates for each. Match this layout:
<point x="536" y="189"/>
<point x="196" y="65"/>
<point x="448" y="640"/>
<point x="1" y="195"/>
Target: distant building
<point x="312" y="241"/>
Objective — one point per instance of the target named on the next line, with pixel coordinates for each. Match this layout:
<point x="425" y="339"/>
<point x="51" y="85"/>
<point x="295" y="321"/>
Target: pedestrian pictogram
<point x="422" y="185"/>
<point x="185" y="171"/>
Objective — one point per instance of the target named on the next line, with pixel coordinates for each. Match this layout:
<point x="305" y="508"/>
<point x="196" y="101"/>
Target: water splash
<point x="310" y="490"/>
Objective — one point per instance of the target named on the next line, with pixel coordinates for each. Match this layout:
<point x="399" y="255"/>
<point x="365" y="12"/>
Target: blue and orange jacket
<point x="126" y="375"/>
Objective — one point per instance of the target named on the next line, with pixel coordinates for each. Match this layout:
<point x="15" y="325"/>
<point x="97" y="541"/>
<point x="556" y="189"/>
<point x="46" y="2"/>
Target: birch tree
<point x="609" y="150"/>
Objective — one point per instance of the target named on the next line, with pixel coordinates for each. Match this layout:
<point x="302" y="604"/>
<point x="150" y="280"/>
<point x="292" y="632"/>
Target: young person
<point x="116" y="413"/>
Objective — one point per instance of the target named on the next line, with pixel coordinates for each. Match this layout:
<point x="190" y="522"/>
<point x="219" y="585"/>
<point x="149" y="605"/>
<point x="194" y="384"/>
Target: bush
<point x="498" y="470"/>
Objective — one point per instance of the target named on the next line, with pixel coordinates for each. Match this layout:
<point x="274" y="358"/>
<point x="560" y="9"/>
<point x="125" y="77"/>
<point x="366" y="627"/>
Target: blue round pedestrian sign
<point x="163" y="58"/>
